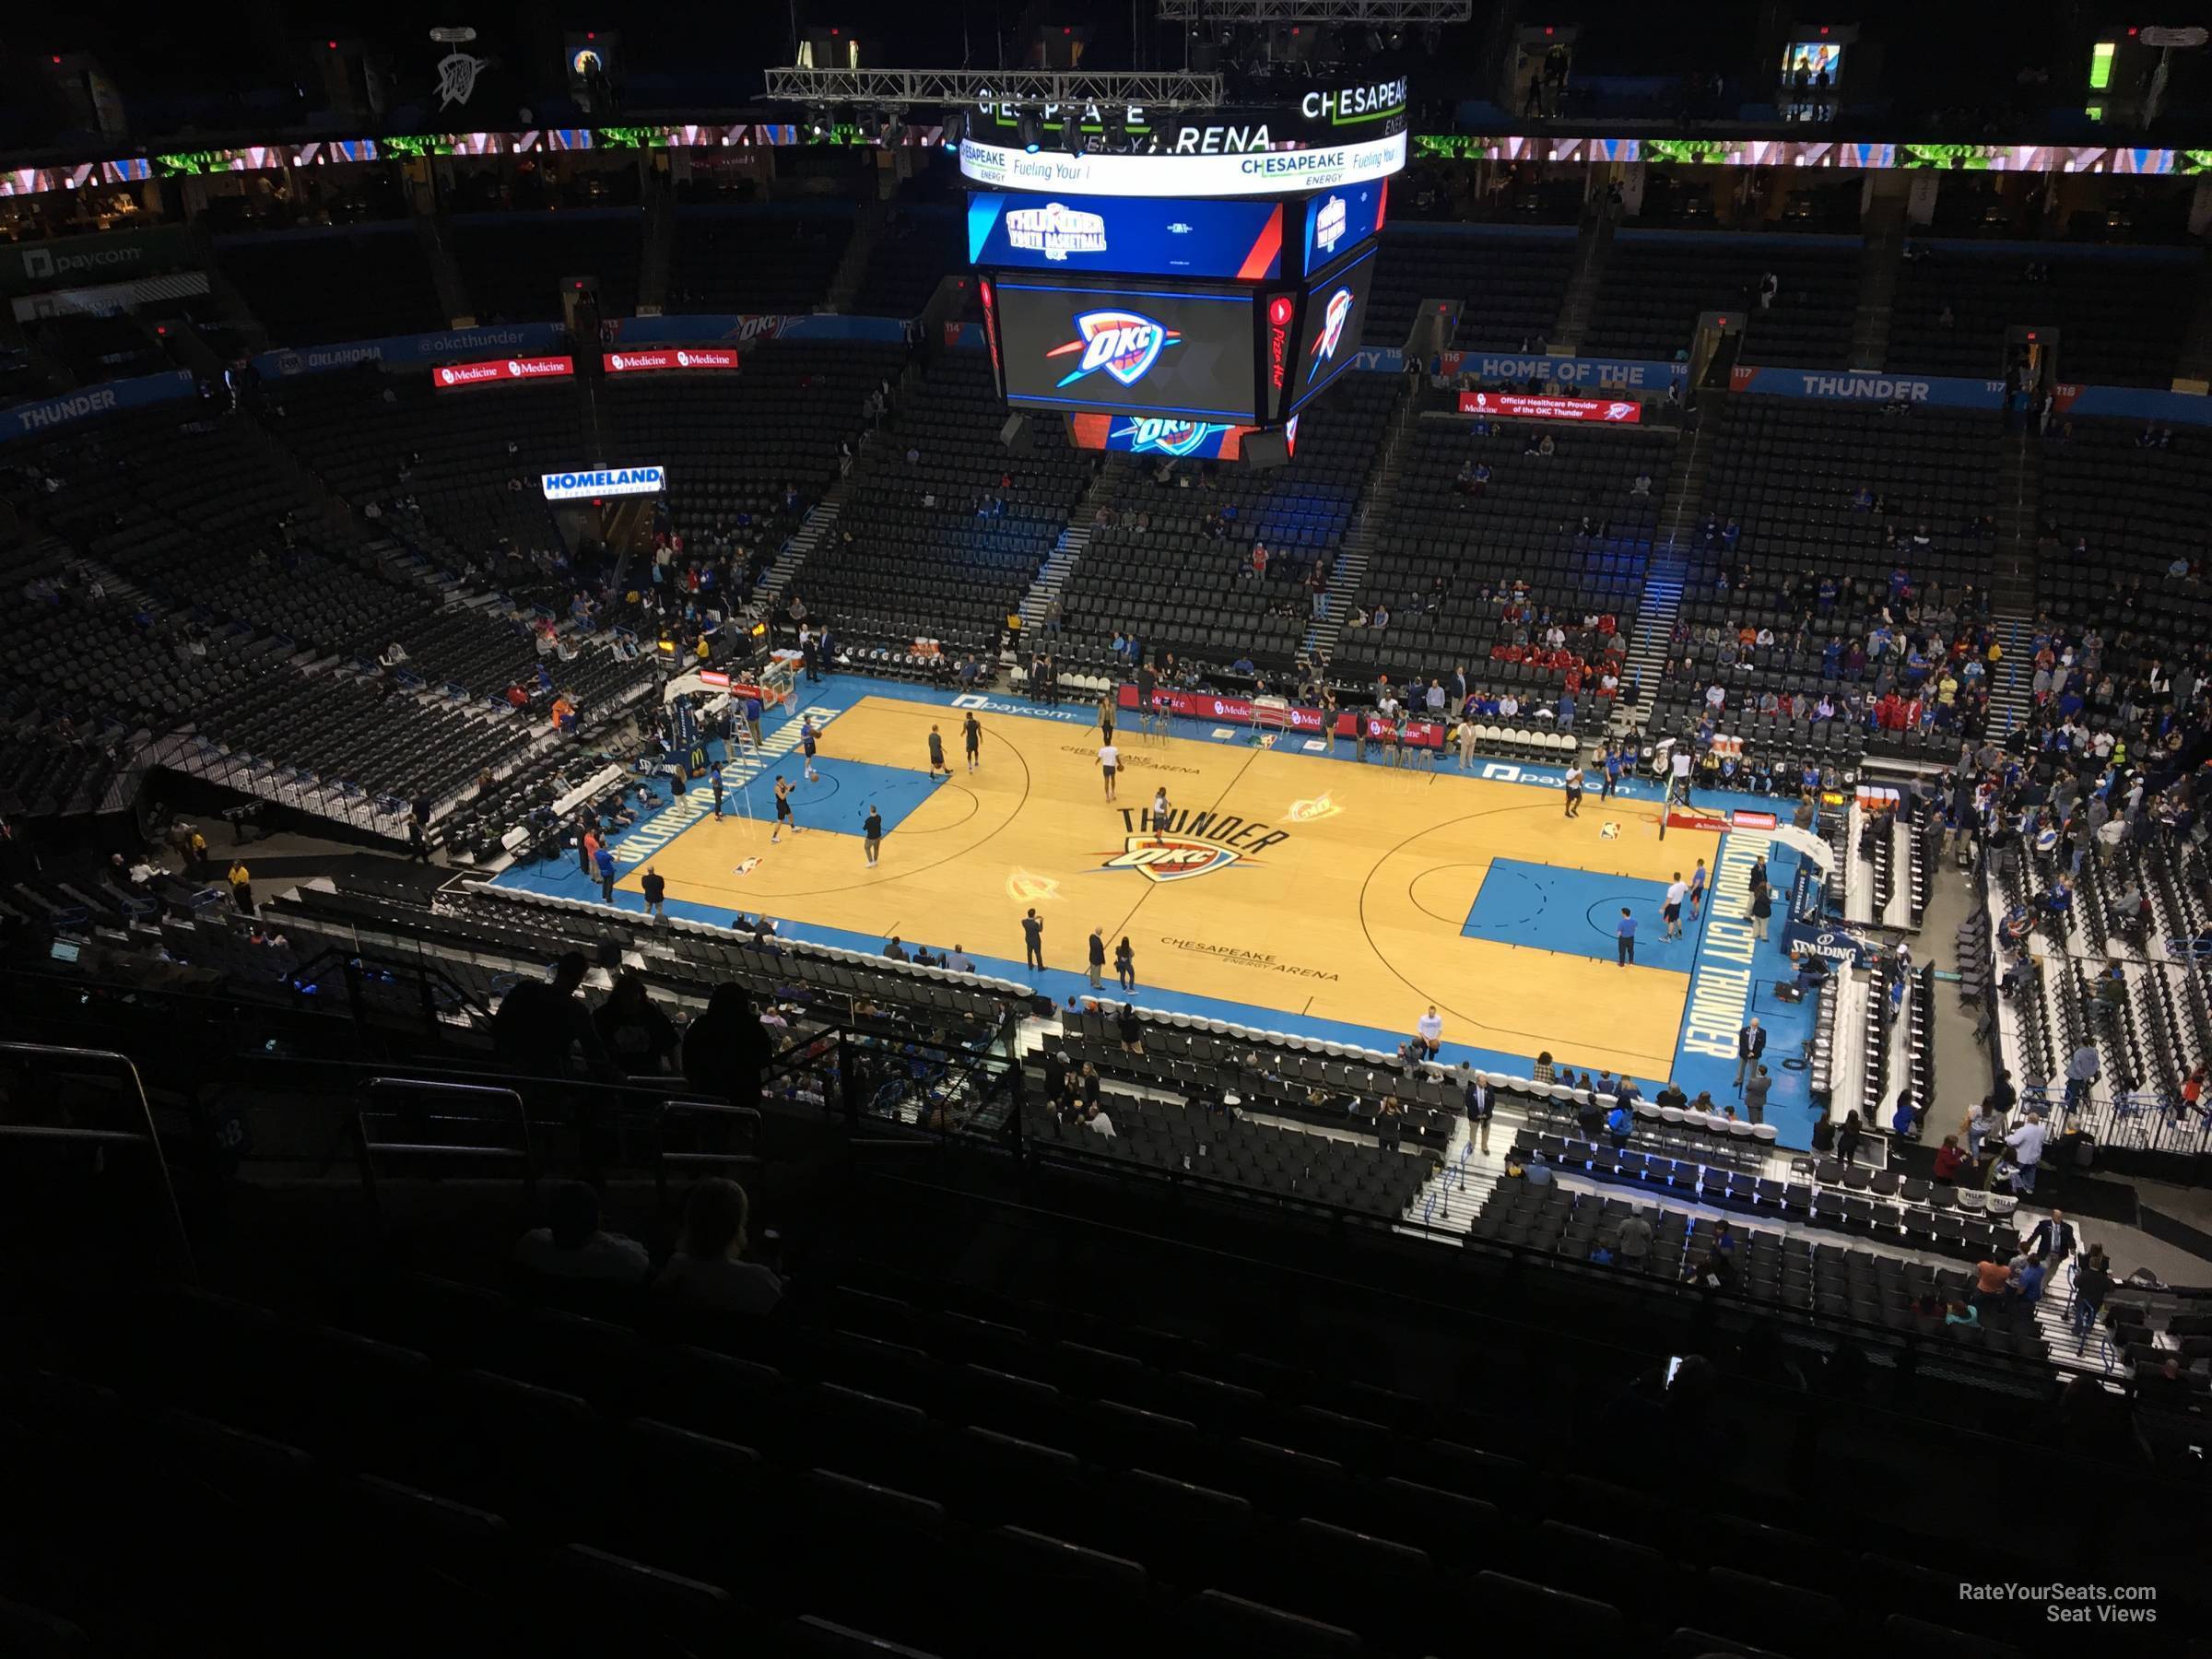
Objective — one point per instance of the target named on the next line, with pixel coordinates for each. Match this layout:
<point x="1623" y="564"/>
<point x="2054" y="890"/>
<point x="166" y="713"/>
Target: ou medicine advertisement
<point x="448" y="377"/>
<point x="1522" y="406"/>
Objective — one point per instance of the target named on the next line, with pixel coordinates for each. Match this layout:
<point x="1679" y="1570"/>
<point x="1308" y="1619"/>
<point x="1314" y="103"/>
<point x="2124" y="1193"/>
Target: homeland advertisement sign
<point x="31" y="420"/>
<point x="410" y="351"/>
<point x="670" y="357"/>
<point x="605" y="481"/>
<point x="502" y="371"/>
<point x="1595" y="374"/>
<point x="81" y="261"/>
<point x="1529" y="406"/>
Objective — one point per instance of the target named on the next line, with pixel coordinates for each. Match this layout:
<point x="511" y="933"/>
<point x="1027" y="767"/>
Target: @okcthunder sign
<point x="608" y="481"/>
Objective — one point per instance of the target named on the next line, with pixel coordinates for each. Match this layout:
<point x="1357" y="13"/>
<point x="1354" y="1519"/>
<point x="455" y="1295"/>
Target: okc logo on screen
<point x="1333" y="319"/>
<point x="1152" y="435"/>
<point x="1123" y="344"/>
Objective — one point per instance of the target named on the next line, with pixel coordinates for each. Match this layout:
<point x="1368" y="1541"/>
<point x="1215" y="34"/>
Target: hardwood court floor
<point x="1327" y="889"/>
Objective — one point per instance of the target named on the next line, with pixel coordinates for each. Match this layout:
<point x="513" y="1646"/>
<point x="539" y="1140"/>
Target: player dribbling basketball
<point x="782" y="809"/>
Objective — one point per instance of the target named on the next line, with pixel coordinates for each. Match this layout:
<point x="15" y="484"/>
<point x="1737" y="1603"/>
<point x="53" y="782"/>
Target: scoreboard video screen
<point x="1187" y="296"/>
<point x="1163" y="351"/>
<point x="1330" y="324"/>
<point x="1339" y="220"/>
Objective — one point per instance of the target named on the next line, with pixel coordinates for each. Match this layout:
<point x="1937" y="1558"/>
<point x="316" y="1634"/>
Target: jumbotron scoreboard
<point x="1193" y="296"/>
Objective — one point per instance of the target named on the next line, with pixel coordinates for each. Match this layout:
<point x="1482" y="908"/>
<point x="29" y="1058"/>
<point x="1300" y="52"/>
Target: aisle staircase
<point x="1880" y="260"/>
<point x="1592" y="243"/>
<point x="435" y="233"/>
<point x="819" y="523"/>
<point x="1664" y="578"/>
<point x="2020" y="517"/>
<point x="1348" y="572"/>
<point x="2008" y="693"/>
<point x="1685" y="496"/>
<point x="852" y="269"/>
<point x="657" y="255"/>
<point x="1665" y="574"/>
<point x="1067" y="551"/>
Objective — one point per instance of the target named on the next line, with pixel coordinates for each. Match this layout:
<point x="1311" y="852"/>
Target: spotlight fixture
<point x="956" y="128"/>
<point x="1031" y="132"/>
<point x="1071" y="135"/>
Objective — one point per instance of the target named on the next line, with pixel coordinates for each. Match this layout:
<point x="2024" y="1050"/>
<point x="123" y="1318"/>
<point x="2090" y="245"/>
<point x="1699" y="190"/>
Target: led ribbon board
<point x="1258" y="174"/>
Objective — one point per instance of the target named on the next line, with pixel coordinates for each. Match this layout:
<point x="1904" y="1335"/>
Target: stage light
<point x="1071" y="135"/>
<point x="894" y="127"/>
<point x="956" y="126"/>
<point x="1031" y="132"/>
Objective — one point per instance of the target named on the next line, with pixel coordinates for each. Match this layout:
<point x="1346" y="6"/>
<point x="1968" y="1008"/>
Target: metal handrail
<point x="69" y="1057"/>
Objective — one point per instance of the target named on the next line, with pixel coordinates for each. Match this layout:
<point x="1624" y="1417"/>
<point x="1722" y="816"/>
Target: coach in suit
<point x="1750" y="1045"/>
<point x="2053" y="1237"/>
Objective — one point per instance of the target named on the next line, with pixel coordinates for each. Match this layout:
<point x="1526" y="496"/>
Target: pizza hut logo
<point x="1332" y="318"/>
<point x="1171" y="857"/>
<point x="1122" y="343"/>
<point x="1056" y="230"/>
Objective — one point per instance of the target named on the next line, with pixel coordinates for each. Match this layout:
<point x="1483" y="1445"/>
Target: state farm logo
<point x="1179" y="846"/>
<point x="1056" y="230"/>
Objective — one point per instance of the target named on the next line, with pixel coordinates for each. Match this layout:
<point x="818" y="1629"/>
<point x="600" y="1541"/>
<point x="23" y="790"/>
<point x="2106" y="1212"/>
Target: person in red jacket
<point x="1948" y="1159"/>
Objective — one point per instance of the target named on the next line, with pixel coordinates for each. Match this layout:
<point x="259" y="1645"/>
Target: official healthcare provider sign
<point x="1265" y="172"/>
<point x="448" y="377"/>
<point x="606" y="481"/>
<point x="676" y="357"/>
<point x="1524" y="405"/>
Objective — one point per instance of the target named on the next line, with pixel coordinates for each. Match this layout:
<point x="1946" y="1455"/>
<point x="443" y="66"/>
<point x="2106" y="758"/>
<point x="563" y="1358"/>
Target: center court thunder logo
<point x="1185" y="844"/>
<point x="1125" y="344"/>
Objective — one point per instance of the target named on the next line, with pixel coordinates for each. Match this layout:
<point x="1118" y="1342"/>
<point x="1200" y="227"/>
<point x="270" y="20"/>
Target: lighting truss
<point x="1316" y="11"/>
<point x="903" y="88"/>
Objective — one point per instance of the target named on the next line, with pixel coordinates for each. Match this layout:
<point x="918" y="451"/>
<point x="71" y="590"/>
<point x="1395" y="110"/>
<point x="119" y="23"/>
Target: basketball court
<point x="1287" y="888"/>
